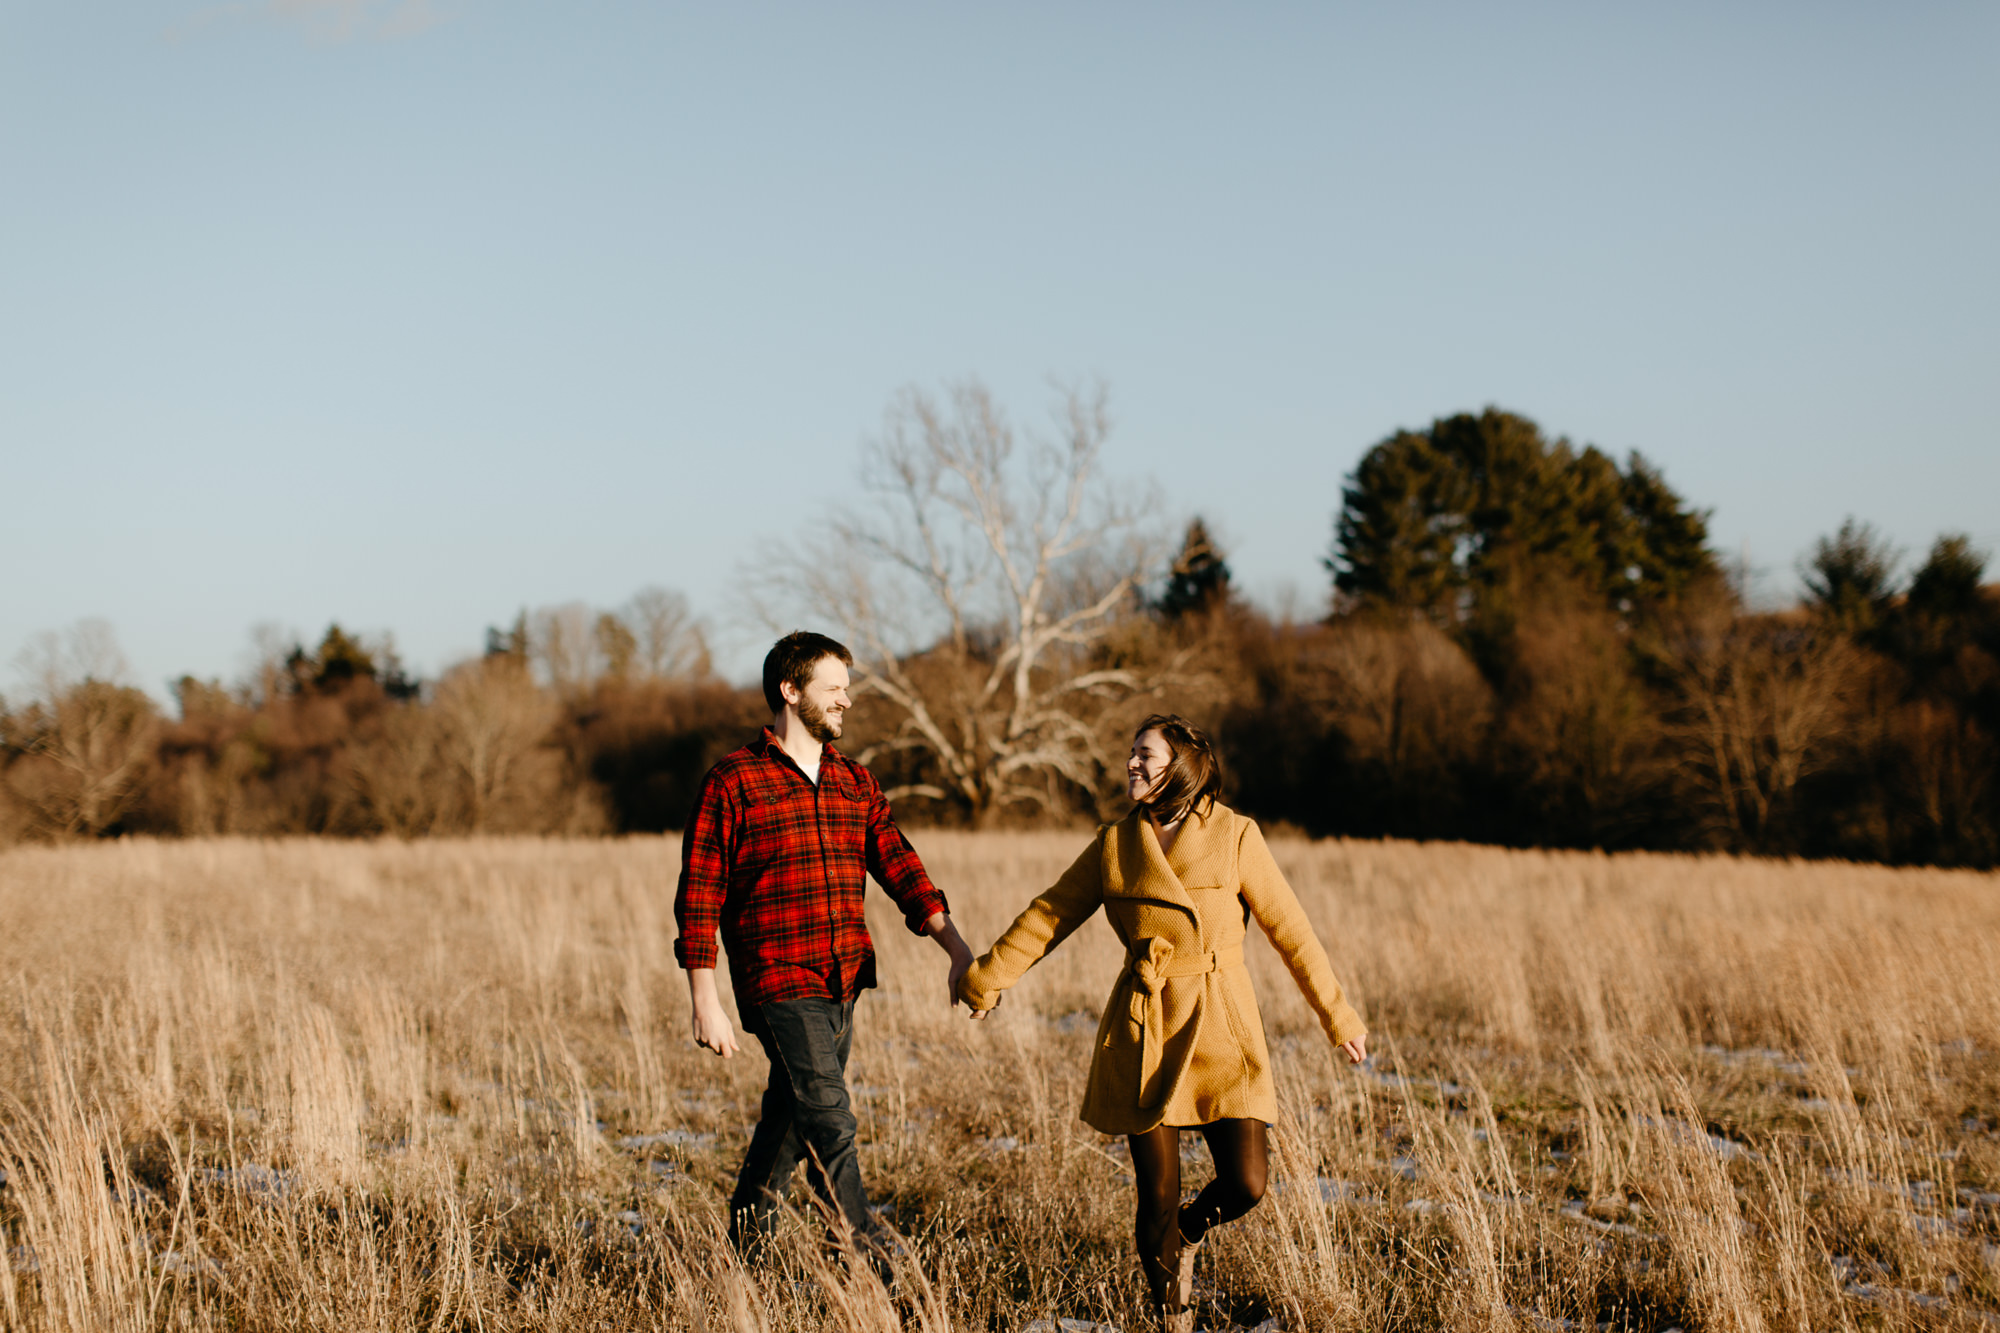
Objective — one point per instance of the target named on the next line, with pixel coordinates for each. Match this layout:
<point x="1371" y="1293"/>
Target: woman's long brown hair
<point x="1194" y="774"/>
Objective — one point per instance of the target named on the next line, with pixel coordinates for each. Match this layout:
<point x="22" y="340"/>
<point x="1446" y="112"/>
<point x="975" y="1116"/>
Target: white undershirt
<point x="812" y="770"/>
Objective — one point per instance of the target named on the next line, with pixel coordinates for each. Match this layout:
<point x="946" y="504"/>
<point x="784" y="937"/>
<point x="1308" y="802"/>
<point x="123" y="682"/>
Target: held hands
<point x="940" y="928"/>
<point x="1356" y="1050"/>
<point x="961" y="963"/>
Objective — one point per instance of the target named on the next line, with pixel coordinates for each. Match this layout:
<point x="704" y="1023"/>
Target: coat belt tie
<point x="1151" y="964"/>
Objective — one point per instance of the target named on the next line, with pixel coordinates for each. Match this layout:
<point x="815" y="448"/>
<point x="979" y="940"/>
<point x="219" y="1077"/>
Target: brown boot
<point x="1183" y="1294"/>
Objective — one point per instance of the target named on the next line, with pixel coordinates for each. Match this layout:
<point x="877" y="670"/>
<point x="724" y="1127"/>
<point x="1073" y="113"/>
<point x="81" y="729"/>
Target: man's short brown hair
<point x="794" y="658"/>
<point x="1194" y="774"/>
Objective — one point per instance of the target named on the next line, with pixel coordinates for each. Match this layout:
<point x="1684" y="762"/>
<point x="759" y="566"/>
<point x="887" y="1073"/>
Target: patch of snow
<point x="1782" y="1061"/>
<point x="173" y="1261"/>
<point x="1444" y="1087"/>
<point x="1573" y="1210"/>
<point x="666" y="1138"/>
<point x="259" y="1182"/>
<point x="1333" y="1191"/>
<point x="1682" y="1132"/>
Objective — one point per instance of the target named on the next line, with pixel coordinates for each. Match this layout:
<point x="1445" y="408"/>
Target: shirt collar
<point x="767" y="745"/>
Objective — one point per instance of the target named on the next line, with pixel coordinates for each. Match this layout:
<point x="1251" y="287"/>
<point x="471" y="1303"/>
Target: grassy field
<point x="350" y="1086"/>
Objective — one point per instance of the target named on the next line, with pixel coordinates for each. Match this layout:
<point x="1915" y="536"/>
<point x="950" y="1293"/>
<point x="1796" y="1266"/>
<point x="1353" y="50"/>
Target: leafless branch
<point x="975" y="590"/>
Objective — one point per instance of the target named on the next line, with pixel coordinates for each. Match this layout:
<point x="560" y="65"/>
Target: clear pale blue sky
<point x="411" y="314"/>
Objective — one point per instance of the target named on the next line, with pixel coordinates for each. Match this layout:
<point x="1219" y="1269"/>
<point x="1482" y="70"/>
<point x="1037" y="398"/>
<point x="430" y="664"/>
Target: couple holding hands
<point x="775" y="857"/>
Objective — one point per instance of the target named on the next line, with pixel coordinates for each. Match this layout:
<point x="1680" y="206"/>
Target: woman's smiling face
<point x="1147" y="764"/>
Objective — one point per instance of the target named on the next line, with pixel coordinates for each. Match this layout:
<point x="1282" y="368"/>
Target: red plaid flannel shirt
<point x="778" y="864"/>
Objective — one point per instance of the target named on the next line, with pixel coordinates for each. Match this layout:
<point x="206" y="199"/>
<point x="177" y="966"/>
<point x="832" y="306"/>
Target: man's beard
<point x="824" y="729"/>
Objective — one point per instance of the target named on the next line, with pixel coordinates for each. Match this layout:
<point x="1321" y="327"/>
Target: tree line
<point x="1528" y="642"/>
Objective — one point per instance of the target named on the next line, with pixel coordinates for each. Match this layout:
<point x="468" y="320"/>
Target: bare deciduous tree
<point x="492" y="730"/>
<point x="1761" y="698"/>
<point x="976" y="592"/>
<point x="88" y="736"/>
<point x="1404" y="695"/>
<point x="670" y="642"/>
<point x="1578" y="734"/>
<point x="617" y="646"/>
<point x="654" y="636"/>
<point x="563" y="647"/>
<point x="399" y="776"/>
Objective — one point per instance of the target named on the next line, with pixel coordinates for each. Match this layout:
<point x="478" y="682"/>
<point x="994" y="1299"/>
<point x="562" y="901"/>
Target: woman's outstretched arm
<point x="1043" y="924"/>
<point x="1278" y="911"/>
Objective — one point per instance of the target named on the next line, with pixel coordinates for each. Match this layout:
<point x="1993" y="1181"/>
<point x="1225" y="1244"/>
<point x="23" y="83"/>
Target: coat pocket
<point x="1247" y="1029"/>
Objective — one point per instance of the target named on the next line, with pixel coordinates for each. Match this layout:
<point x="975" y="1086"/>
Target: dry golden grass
<point x="447" y="1085"/>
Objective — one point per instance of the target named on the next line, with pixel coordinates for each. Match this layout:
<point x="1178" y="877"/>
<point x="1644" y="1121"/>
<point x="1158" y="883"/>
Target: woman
<point x="1180" y="1045"/>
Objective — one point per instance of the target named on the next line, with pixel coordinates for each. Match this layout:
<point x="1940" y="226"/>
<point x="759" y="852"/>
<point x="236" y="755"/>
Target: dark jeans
<point x="806" y="1117"/>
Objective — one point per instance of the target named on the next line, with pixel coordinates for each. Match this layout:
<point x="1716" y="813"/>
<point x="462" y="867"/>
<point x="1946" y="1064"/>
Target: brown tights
<point x="1242" y="1156"/>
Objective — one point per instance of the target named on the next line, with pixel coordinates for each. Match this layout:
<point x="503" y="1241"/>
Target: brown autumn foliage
<point x="1710" y="728"/>
<point x="1530" y="643"/>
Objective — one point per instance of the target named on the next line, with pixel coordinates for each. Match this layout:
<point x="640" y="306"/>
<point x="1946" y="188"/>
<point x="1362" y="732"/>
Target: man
<point x="783" y="833"/>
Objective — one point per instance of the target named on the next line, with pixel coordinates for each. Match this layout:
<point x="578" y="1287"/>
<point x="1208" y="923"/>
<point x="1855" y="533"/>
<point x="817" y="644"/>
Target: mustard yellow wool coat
<point x="1181" y="1042"/>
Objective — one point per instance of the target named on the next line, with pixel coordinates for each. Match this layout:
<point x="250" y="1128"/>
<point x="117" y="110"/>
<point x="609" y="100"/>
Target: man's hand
<point x="1356" y="1050"/>
<point x="712" y="1029"/>
<point x="939" y="928"/>
<point x="961" y="963"/>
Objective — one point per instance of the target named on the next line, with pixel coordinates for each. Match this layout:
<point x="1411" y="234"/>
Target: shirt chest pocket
<point x="769" y="817"/>
<point x="787" y="814"/>
<point x="845" y="813"/>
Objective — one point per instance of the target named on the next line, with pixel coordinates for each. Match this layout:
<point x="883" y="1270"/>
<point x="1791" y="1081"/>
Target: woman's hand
<point x="1356" y="1050"/>
<point x="978" y="1014"/>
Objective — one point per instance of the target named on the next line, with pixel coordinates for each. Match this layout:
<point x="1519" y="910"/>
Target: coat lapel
<point x="1202" y="850"/>
<point x="1141" y="869"/>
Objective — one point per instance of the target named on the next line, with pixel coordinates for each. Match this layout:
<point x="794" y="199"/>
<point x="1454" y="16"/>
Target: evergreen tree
<point x="512" y="642"/>
<point x="1945" y="610"/>
<point x="395" y="680"/>
<point x="1947" y="586"/>
<point x="1670" y="551"/>
<point x="1199" y="578"/>
<point x="1466" y="516"/>
<point x="1850" y="579"/>
<point x="340" y="658"/>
